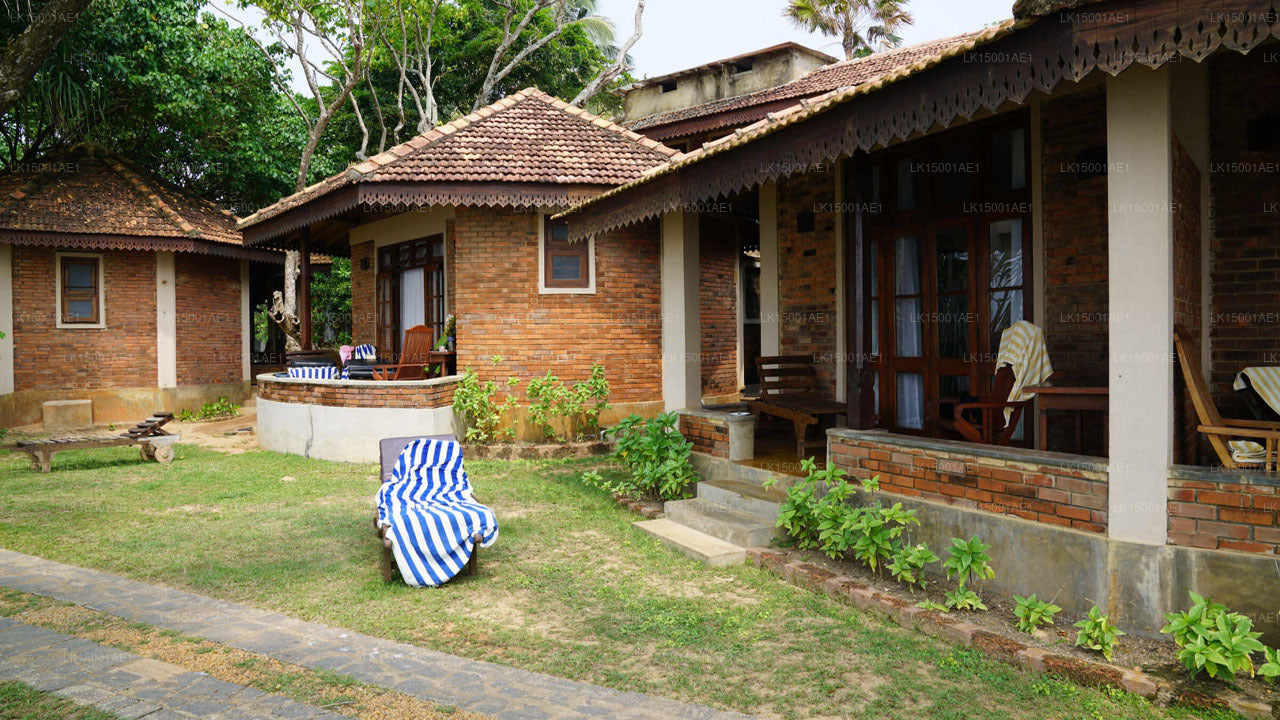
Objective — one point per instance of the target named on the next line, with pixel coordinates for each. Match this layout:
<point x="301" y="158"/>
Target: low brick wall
<point x="437" y="393"/>
<point x="1222" y="509"/>
<point x="708" y="433"/>
<point x="1054" y="488"/>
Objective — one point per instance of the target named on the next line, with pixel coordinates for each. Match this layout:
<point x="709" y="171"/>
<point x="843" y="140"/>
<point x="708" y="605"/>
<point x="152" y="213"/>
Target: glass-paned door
<point x="411" y="290"/>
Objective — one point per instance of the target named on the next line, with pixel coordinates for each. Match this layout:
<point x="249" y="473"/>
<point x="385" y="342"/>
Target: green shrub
<point x="1271" y="668"/>
<point x="1214" y="639"/>
<point x="1097" y="633"/>
<point x="968" y="559"/>
<point x="907" y="564"/>
<point x="582" y="404"/>
<point x="479" y="413"/>
<point x="656" y="454"/>
<point x="210" y="411"/>
<point x="962" y="598"/>
<point x="1033" y="612"/>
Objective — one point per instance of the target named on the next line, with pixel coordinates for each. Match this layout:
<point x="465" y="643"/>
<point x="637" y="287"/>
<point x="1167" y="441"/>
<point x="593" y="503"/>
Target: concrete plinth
<point x="60" y="415"/>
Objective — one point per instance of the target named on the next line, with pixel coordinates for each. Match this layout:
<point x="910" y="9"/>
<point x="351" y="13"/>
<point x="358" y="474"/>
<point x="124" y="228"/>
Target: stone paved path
<point x="130" y="686"/>
<point x="487" y="688"/>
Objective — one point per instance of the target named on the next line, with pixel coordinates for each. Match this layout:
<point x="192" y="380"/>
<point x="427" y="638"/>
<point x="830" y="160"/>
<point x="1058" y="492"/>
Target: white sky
<point x="685" y="33"/>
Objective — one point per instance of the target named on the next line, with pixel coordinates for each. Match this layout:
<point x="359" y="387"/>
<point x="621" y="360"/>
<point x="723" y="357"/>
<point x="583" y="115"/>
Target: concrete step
<point x="697" y="545"/>
<point x="721" y="521"/>
<point x="743" y="495"/>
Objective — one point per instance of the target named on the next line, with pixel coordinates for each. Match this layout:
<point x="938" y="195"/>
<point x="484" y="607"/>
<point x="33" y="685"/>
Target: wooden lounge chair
<point x="415" y="356"/>
<point x="983" y="421"/>
<point x="153" y="443"/>
<point x="1221" y="431"/>
<point x="789" y="390"/>
<point x="388" y="453"/>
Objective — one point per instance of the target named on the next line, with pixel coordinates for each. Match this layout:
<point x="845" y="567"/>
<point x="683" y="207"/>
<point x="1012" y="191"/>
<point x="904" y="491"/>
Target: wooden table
<point x="1066" y="397"/>
<point x="446" y="358"/>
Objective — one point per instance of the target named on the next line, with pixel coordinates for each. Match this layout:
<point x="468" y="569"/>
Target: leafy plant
<point x="1271" y="668"/>
<point x="209" y="411"/>
<point x="477" y="410"/>
<point x="968" y="559"/>
<point x="931" y="605"/>
<point x="1033" y="612"/>
<point x="550" y="399"/>
<point x="1097" y="633"/>
<point x="962" y="598"/>
<point x="656" y="454"/>
<point x="908" y="563"/>
<point x="1214" y="639"/>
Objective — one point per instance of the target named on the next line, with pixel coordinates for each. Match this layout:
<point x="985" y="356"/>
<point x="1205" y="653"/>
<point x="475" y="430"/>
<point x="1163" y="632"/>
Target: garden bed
<point x="1143" y="666"/>
<point x="550" y="451"/>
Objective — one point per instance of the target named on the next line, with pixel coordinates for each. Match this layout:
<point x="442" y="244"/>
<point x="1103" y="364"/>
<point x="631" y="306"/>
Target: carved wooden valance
<point x="87" y="241"/>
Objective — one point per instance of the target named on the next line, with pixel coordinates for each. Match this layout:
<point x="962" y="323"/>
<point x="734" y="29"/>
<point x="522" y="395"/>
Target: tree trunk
<point x="25" y="54"/>
<point x="289" y="308"/>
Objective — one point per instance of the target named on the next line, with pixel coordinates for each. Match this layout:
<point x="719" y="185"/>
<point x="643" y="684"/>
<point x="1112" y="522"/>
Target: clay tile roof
<point x="528" y="137"/>
<point x="843" y="74"/>
<point x="87" y="190"/>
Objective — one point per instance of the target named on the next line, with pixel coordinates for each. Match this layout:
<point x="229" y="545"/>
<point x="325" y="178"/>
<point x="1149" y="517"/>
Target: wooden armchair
<point x="983" y="421"/>
<point x="415" y="357"/>
<point x="1219" y="430"/>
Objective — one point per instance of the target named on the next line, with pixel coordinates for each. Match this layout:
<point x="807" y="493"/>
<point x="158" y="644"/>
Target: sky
<point x="681" y="34"/>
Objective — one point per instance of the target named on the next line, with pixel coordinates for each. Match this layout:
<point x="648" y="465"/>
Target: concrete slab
<point x="723" y="522"/>
<point x="697" y="545"/>
<point x="60" y="415"/>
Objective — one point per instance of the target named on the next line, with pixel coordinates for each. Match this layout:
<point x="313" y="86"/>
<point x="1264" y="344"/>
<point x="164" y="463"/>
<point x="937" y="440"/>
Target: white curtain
<point x="413" y="309"/>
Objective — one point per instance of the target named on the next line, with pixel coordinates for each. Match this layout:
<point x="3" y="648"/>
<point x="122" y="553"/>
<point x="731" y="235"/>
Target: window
<point x="669" y="86"/>
<point x="567" y="267"/>
<point x="410" y="289"/>
<point x="743" y="66"/>
<point x="80" y="291"/>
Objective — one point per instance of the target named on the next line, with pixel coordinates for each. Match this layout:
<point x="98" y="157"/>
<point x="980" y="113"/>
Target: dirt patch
<point x="230" y="435"/>
<point x="341" y="695"/>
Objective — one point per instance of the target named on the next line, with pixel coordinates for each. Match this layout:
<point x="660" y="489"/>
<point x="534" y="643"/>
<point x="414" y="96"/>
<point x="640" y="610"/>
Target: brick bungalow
<point x="1107" y="169"/>
<point x="457" y="222"/>
<point x="117" y="288"/>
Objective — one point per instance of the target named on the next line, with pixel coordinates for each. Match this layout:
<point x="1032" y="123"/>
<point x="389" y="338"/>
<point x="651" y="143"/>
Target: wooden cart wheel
<point x="164" y="454"/>
<point x="145" y="451"/>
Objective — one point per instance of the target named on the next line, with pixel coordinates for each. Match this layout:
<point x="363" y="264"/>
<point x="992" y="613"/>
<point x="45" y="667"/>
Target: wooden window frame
<point x="97" y="294"/>
<point x="584" y="250"/>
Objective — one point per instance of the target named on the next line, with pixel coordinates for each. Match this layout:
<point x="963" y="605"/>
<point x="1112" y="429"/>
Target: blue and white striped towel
<point x="315" y="373"/>
<point x="431" y="513"/>
<point x="365" y="352"/>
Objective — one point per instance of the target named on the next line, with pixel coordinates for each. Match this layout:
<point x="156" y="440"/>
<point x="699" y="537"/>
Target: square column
<point x="1140" y="279"/>
<point x="681" y="331"/>
<point x="166" y="320"/>
<point x="6" y="319"/>
<point x="770" y="339"/>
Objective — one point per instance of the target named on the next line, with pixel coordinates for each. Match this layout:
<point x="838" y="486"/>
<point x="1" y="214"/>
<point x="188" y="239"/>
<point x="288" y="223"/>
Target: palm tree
<point x="863" y="26"/>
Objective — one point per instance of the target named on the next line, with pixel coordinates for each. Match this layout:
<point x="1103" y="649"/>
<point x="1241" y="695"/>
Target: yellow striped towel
<point x="1266" y="380"/>
<point x="1247" y="452"/>
<point x="1022" y="348"/>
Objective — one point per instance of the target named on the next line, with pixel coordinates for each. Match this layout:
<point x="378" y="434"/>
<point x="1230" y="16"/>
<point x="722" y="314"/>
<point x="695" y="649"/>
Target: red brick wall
<point x="1223" y="515"/>
<point x="208" y="320"/>
<point x="718" y="306"/>
<point x="1047" y="493"/>
<point x="121" y="355"/>
<point x="1075" y="246"/>
<point x="807" y="271"/>
<point x="363" y="295"/>
<point x="1245" y="186"/>
<point x="707" y="435"/>
<point x="501" y="313"/>
<point x="359" y="395"/>
<point x="1187" y="283"/>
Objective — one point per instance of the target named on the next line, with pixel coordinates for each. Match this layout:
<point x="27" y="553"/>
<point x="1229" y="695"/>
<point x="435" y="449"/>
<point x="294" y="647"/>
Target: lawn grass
<point x="23" y="702"/>
<point x="570" y="588"/>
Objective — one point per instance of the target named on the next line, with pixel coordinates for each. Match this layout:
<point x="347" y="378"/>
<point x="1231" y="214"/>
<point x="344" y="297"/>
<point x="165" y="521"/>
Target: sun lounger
<point x="153" y="443"/>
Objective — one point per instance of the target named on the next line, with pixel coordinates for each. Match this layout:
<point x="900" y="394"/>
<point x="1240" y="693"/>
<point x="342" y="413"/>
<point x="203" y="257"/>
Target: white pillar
<point x="6" y="319"/>
<point x="246" y="321"/>
<point x="681" y="319"/>
<point x="1141" y="291"/>
<point x="770" y="342"/>
<point x="166" y="321"/>
<point x="842" y="343"/>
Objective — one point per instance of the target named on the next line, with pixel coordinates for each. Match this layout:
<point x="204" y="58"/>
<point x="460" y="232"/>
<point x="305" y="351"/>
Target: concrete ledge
<point x="59" y="415"/>
<point x="1223" y="475"/>
<point x="118" y="405"/>
<point x="273" y="378"/>
<point x="1086" y="463"/>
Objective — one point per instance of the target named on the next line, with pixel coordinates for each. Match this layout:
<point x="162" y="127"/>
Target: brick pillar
<point x="1141" y="293"/>
<point x="681" y="332"/>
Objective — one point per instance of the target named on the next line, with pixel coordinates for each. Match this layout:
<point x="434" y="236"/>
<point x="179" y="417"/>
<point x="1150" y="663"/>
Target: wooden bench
<point x="789" y="390"/>
<point x="153" y="443"/>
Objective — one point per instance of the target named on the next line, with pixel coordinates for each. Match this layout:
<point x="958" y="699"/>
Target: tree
<point x="25" y="53"/>
<point x="863" y="26"/>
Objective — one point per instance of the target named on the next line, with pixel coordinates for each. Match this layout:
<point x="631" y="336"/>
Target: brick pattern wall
<point x="1187" y="283"/>
<point x="718" y="306"/>
<point x="1223" y="515"/>
<point x="807" y="272"/>
<point x="1047" y="493"/>
<point x="500" y="311"/>
<point x="707" y="435"/>
<point x="1075" y="242"/>
<point x="208" y="302"/>
<point x="357" y="395"/>
<point x="1246" y="221"/>
<point x="121" y="355"/>
<point x="364" y="316"/>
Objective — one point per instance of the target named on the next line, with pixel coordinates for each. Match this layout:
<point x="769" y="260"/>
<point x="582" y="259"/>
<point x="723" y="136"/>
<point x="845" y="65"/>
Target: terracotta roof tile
<point x="847" y="73"/>
<point x="528" y="137"/>
<point x="88" y="190"/>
